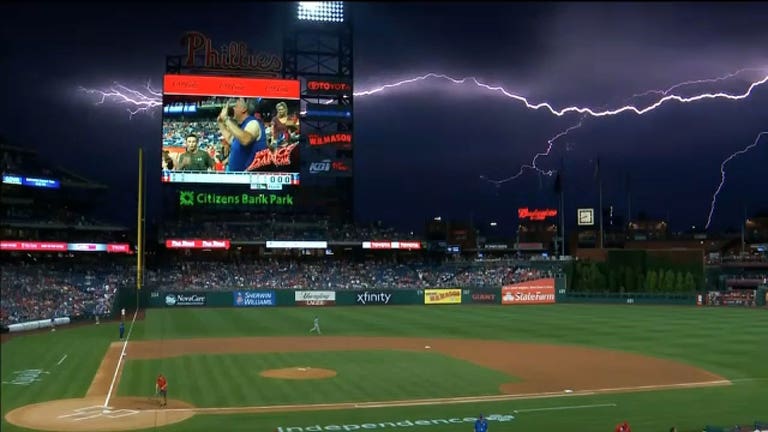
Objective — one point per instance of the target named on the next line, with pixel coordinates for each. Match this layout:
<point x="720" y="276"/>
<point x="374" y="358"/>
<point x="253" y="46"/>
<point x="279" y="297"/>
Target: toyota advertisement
<point x="539" y="291"/>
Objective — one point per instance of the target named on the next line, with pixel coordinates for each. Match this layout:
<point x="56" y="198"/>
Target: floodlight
<point x="326" y="11"/>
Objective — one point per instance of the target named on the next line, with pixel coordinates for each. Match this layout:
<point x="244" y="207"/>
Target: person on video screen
<point x="194" y="159"/>
<point x="285" y="127"/>
<point x="243" y="131"/>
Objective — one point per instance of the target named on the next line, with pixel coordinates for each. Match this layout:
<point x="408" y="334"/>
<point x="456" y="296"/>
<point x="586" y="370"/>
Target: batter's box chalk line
<point x="96" y="411"/>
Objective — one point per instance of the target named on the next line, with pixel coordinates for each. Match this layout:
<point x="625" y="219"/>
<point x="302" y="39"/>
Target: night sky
<point x="424" y="149"/>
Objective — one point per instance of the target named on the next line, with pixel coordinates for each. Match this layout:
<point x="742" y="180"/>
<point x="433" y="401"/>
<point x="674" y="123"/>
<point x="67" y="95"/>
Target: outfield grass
<point x="731" y="342"/>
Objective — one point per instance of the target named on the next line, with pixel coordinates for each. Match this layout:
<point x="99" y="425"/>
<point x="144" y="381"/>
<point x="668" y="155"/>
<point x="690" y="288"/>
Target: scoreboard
<point x="256" y="180"/>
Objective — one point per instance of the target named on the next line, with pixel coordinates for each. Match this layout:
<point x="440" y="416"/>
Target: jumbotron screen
<point x="231" y="130"/>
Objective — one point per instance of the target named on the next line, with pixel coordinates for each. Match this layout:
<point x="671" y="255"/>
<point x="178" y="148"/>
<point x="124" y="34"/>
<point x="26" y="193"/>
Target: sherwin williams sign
<point x="442" y="296"/>
<point x="539" y="291"/>
<point x="254" y="298"/>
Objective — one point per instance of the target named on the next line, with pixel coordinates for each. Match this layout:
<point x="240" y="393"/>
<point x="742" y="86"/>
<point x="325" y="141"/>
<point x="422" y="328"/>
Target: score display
<point x="256" y="180"/>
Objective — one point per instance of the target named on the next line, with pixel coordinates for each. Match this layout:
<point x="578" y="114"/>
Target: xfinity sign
<point x="373" y="298"/>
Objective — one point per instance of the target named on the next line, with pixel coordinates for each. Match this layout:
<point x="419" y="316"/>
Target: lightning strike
<point x="574" y="109"/>
<point x="722" y="174"/>
<point x="696" y="82"/>
<point x="532" y="165"/>
<point x="139" y="101"/>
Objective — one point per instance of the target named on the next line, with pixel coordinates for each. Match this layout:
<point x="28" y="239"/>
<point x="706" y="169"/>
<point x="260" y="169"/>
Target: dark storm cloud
<point x="424" y="147"/>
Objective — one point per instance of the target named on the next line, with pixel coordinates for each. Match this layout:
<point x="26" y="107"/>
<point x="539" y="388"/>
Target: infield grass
<point x="362" y="376"/>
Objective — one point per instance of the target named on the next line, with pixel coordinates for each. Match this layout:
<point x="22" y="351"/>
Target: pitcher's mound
<point x="299" y="373"/>
<point x="88" y="414"/>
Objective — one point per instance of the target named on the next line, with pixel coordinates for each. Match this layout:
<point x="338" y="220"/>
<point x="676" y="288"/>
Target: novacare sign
<point x="397" y="424"/>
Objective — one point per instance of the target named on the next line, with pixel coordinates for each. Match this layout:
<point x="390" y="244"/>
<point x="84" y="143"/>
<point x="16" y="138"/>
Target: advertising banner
<point x="328" y="87"/>
<point x="386" y="245"/>
<point x="338" y="139"/>
<point x="483" y="297"/>
<point x="277" y="244"/>
<point x="442" y="296"/>
<point x="254" y="298"/>
<point x="539" y="291"/>
<point x="196" y="244"/>
<point x="373" y="298"/>
<point x="173" y="299"/>
<point x="315" y="298"/>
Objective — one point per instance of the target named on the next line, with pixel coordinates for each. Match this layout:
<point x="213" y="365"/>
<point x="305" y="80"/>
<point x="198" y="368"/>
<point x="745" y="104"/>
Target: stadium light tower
<point x="326" y="11"/>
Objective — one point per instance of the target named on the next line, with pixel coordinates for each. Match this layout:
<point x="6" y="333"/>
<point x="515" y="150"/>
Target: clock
<point x="586" y="216"/>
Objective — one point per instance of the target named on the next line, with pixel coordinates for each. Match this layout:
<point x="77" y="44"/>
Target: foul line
<point x="120" y="359"/>
<point x="62" y="360"/>
<point x="559" y="408"/>
<point x="437" y="401"/>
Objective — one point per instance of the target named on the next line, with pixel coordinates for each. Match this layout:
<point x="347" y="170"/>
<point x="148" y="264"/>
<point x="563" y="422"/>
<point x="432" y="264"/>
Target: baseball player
<point x="161" y="388"/>
<point x="481" y="425"/>
<point x="316" y="326"/>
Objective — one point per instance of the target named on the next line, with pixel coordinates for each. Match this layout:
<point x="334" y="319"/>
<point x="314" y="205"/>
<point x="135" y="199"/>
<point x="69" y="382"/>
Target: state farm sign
<point x="539" y="291"/>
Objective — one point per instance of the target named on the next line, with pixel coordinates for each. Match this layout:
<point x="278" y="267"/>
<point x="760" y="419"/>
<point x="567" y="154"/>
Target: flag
<point x="558" y="183"/>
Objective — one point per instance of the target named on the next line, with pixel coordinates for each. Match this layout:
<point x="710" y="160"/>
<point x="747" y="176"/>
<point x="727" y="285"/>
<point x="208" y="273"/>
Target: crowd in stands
<point x="338" y="275"/>
<point x="737" y="259"/>
<point x="34" y="291"/>
<point x="50" y="216"/>
<point x="175" y="133"/>
<point x="273" y="227"/>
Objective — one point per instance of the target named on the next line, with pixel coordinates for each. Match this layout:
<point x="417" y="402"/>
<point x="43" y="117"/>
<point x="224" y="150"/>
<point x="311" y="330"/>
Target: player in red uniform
<point x="161" y="388"/>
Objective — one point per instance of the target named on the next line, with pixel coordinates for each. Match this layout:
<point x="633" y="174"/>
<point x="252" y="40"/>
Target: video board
<point x="231" y="130"/>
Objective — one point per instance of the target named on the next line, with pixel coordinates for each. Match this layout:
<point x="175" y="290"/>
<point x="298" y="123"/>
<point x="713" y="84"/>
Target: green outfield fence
<point x="330" y="297"/>
<point x="444" y="295"/>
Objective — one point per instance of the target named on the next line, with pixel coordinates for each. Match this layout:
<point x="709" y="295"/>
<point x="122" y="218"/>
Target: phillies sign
<point x="535" y="215"/>
<point x="230" y="57"/>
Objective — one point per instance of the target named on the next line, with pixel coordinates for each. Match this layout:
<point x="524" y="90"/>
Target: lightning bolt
<point x="139" y="101"/>
<point x="573" y="109"/>
<point x="532" y="165"/>
<point x="695" y="82"/>
<point x="550" y="142"/>
<point x="722" y="174"/>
